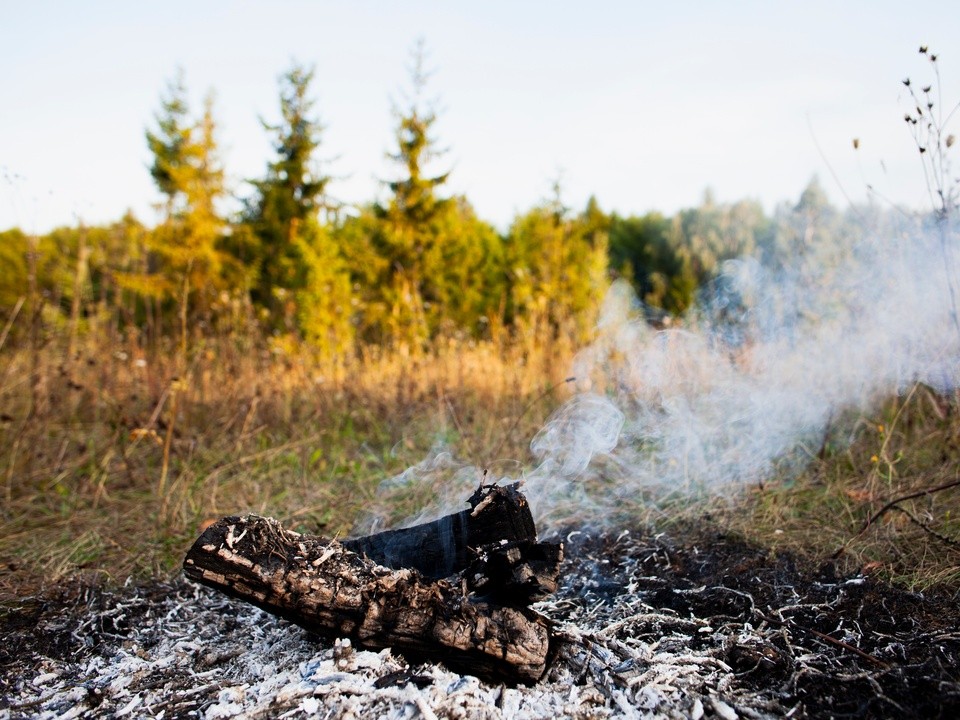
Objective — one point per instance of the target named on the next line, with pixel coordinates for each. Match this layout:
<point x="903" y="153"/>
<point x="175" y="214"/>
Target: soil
<point x="646" y="627"/>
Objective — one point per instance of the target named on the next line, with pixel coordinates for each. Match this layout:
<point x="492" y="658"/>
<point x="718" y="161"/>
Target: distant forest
<point x="300" y="268"/>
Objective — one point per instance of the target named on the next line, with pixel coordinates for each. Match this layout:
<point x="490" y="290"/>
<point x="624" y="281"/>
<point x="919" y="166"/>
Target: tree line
<point x="397" y="273"/>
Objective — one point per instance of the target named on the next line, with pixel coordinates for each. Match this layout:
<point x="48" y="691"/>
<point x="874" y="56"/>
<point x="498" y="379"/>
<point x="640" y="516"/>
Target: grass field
<point x="111" y="461"/>
<point x="112" y="458"/>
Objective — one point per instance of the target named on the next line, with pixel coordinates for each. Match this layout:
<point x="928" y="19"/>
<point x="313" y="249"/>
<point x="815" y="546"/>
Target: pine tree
<point x="411" y="237"/>
<point x="187" y="170"/>
<point x="300" y="274"/>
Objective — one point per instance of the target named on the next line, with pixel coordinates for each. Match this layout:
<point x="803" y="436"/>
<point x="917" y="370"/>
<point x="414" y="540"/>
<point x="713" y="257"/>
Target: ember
<point x="645" y="626"/>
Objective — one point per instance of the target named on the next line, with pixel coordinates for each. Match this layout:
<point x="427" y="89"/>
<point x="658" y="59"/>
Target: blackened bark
<point x="447" y="546"/>
<point x="321" y="585"/>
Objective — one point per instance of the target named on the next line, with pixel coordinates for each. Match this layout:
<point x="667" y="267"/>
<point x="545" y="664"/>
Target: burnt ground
<point x="646" y="627"/>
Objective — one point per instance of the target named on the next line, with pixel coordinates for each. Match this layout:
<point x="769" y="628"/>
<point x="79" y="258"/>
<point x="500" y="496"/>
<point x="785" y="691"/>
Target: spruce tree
<point x="410" y="237"/>
<point x="300" y="274"/>
<point x="288" y="197"/>
<point x="187" y="170"/>
<point x="169" y="141"/>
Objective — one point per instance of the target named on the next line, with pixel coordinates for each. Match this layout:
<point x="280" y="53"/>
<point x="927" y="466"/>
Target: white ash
<point x="192" y="652"/>
<point x="186" y="651"/>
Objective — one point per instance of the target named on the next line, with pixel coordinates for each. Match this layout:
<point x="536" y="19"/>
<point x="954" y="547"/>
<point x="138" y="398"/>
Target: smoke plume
<point x="749" y="385"/>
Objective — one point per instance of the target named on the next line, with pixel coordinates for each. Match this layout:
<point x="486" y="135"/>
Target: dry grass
<point x="840" y="509"/>
<point x="111" y="460"/>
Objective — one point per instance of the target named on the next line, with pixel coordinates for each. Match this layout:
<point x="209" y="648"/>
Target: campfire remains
<point x="456" y="590"/>
<point x="696" y="625"/>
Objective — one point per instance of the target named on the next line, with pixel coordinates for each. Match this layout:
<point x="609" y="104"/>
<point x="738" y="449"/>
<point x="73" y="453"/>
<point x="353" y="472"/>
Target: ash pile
<point x="643" y="626"/>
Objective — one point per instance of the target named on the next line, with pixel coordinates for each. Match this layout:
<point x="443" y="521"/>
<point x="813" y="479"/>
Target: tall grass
<point x="114" y="452"/>
<point x="880" y="496"/>
<point x="126" y="452"/>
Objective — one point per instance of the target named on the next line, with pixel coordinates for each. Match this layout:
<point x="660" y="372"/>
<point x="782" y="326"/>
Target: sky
<point x="644" y="105"/>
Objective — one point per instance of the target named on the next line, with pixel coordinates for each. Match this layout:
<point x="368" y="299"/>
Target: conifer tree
<point x="289" y="195"/>
<point x="168" y="143"/>
<point x="557" y="266"/>
<point x="410" y="237"/>
<point x="300" y="275"/>
<point x="187" y="170"/>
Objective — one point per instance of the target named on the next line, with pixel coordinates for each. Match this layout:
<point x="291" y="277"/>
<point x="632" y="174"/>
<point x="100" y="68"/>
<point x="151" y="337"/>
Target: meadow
<point x="114" y="457"/>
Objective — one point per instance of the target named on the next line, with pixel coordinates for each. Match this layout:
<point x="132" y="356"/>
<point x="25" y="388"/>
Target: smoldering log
<point x="324" y="587"/>
<point x="493" y="544"/>
<point x="447" y="546"/>
<point x="515" y="573"/>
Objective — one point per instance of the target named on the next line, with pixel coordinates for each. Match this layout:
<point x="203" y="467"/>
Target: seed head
<point x="950" y="140"/>
<point x="906" y="81"/>
<point x="923" y="49"/>
<point x="856" y="143"/>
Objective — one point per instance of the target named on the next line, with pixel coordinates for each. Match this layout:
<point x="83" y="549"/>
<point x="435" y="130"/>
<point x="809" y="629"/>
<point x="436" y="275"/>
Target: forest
<point x="295" y="268"/>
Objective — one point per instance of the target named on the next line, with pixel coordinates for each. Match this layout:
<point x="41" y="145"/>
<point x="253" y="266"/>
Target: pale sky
<point x="643" y="104"/>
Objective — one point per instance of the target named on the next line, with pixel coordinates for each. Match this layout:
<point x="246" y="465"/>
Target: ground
<point x="689" y="625"/>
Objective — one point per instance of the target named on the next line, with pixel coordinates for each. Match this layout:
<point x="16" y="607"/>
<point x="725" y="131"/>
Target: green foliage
<point x="468" y="286"/>
<point x="103" y="257"/>
<point x="168" y="143"/>
<point x="557" y="271"/>
<point x="13" y="269"/>
<point x="186" y="246"/>
<point x="422" y="264"/>
<point x="669" y="260"/>
<point x="283" y="242"/>
<point x="642" y="250"/>
<point x="324" y="310"/>
<point x="418" y="265"/>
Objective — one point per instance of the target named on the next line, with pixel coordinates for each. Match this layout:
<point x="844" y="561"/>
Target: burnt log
<point x="493" y="544"/>
<point x="515" y="573"/>
<point x="327" y="588"/>
<point x="448" y="545"/>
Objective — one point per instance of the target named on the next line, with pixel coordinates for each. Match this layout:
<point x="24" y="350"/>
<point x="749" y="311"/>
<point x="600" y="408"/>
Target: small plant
<point x="930" y="129"/>
<point x="929" y="126"/>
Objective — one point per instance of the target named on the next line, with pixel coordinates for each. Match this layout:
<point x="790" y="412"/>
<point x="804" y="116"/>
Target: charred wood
<point x="324" y="587"/>
<point x="447" y="546"/>
<point x="515" y="573"/>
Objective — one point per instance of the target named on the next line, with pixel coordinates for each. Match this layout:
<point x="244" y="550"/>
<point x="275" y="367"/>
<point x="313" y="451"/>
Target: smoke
<point x="768" y="364"/>
<point x="748" y="387"/>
